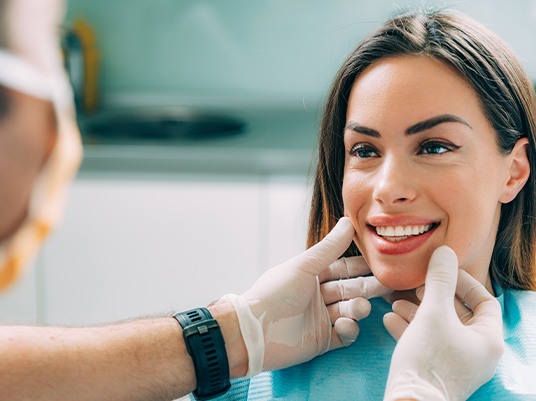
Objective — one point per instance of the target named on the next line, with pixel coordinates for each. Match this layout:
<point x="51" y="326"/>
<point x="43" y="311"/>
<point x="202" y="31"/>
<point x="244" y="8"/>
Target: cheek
<point x="471" y="233"/>
<point x="354" y="194"/>
<point x="355" y="200"/>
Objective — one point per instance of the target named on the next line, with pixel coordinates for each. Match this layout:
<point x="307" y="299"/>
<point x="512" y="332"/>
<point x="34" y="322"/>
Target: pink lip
<point x="404" y="246"/>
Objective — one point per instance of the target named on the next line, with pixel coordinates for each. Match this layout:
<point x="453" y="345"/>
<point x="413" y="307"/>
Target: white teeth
<point x="397" y="233"/>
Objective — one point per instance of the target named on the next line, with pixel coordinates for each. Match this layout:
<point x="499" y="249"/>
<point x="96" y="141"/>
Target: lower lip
<point x="398" y="248"/>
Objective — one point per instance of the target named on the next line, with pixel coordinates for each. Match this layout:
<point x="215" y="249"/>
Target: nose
<point x="395" y="182"/>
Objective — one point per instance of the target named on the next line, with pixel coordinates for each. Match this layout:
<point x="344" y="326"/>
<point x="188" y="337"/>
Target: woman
<point x="427" y="139"/>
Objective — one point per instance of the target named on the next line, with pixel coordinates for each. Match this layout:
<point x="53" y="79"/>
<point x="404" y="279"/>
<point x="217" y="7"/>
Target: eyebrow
<point x="414" y="129"/>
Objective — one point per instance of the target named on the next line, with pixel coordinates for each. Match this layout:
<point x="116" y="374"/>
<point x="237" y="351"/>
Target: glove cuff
<point x="252" y="333"/>
<point x="411" y="386"/>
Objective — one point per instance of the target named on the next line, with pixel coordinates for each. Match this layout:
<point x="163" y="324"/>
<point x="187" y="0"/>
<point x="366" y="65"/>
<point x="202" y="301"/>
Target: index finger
<point x="345" y="268"/>
<point x="486" y="309"/>
<point x="363" y="287"/>
<point x="470" y="291"/>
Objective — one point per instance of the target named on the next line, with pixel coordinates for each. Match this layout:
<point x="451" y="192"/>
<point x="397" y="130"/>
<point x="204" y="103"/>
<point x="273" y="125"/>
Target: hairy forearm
<point x="140" y="360"/>
<point x="137" y="360"/>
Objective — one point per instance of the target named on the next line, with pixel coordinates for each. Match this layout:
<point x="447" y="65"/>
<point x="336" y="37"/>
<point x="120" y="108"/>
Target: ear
<point x="518" y="171"/>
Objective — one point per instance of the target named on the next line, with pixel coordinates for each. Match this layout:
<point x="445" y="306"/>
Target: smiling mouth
<point x="401" y="233"/>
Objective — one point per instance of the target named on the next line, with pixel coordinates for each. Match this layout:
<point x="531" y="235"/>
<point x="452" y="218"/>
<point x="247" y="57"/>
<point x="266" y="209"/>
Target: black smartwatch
<point x="205" y="344"/>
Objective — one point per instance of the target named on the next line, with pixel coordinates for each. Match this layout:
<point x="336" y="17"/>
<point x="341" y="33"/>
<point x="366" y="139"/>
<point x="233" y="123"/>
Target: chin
<point x="398" y="280"/>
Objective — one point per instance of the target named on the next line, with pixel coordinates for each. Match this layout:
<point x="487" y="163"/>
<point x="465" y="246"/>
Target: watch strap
<point x="205" y="343"/>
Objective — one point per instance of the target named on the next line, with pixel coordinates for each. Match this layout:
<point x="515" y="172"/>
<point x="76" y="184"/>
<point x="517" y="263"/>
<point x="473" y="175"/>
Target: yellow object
<point x="86" y="35"/>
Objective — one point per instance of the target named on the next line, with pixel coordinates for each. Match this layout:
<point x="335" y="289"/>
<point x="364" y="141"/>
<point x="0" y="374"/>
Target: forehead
<point x="411" y="88"/>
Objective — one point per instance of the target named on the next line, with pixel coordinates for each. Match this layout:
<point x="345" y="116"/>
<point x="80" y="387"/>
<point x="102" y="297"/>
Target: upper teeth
<point x="402" y="231"/>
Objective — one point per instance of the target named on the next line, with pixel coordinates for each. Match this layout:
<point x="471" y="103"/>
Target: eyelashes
<point x="434" y="147"/>
<point x="430" y="147"/>
<point x="363" y="151"/>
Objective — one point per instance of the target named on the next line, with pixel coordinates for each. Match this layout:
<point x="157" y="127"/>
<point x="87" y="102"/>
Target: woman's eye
<point x="435" y="148"/>
<point x="363" y="151"/>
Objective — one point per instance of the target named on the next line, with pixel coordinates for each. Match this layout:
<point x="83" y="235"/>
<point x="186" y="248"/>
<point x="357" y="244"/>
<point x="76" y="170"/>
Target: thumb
<point x="321" y="255"/>
<point x="441" y="276"/>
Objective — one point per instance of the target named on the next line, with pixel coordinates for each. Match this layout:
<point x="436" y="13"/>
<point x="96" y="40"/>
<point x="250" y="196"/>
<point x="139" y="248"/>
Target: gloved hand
<point x="347" y="285"/>
<point x="283" y="317"/>
<point x="438" y="357"/>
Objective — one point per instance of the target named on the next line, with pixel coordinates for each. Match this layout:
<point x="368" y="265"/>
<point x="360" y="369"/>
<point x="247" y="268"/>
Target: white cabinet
<point x="286" y="200"/>
<point x="136" y="245"/>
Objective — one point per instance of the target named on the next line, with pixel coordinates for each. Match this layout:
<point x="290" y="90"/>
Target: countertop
<point x="272" y="142"/>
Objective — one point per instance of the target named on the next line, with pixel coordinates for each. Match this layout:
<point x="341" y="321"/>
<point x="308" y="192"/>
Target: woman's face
<point x="422" y="169"/>
<point x="27" y="136"/>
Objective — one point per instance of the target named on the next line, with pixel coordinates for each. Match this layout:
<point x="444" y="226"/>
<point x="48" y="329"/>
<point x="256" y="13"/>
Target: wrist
<point x="237" y="355"/>
<point x="410" y="386"/>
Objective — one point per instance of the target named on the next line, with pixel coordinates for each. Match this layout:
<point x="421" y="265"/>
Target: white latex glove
<point x="438" y="357"/>
<point x="283" y="317"/>
<point x="346" y="286"/>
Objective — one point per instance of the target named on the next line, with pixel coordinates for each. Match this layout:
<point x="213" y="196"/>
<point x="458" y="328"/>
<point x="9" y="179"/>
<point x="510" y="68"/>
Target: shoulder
<point x="519" y="316"/>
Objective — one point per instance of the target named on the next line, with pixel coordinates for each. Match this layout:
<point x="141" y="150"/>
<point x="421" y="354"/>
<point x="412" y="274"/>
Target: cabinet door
<point x="284" y="234"/>
<point x="129" y="248"/>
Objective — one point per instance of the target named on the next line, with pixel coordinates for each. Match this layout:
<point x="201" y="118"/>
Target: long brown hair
<point x="4" y="96"/>
<point x="508" y="101"/>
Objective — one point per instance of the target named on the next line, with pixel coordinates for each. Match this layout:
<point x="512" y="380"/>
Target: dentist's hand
<point x="438" y="357"/>
<point x="346" y="287"/>
<point x="283" y="317"/>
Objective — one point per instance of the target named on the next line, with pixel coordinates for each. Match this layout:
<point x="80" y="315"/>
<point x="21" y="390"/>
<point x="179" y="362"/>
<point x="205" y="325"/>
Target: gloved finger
<point x="395" y="324"/>
<point x="470" y="291"/>
<point x="464" y="313"/>
<point x="405" y="309"/>
<point x="345" y="268"/>
<point x="486" y="309"/>
<point x="364" y="287"/>
<point x="441" y="277"/>
<point x="343" y="333"/>
<point x="419" y="292"/>
<point x="356" y="309"/>
<point x="321" y="255"/>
